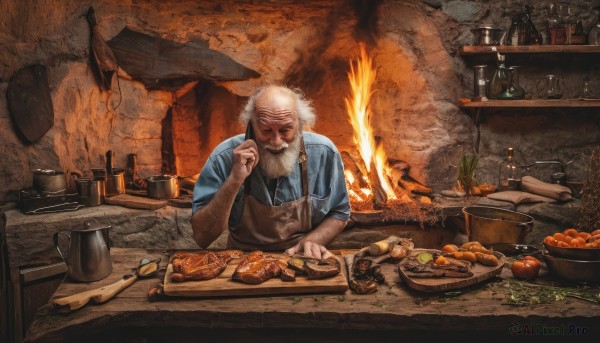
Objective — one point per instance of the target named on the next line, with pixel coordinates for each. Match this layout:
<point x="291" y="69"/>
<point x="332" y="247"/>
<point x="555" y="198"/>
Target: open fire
<point x="373" y="183"/>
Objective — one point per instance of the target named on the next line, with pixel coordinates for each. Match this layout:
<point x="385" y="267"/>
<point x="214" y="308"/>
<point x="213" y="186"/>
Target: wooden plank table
<point x="394" y="313"/>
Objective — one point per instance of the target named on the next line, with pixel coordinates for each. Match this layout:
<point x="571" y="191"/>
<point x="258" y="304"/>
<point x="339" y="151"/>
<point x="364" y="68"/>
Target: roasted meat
<point x="321" y="269"/>
<point x="456" y="268"/>
<point x="257" y="268"/>
<point x="203" y="265"/>
<point x="288" y="274"/>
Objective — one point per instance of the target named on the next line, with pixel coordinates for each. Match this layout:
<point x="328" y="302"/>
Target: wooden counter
<point x="395" y="313"/>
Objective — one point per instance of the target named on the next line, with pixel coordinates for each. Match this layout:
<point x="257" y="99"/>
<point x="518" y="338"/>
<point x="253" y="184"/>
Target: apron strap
<point x="302" y="158"/>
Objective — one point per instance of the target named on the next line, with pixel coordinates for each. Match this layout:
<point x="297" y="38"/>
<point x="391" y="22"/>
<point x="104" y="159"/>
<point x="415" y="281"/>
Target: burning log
<point x="414" y="186"/>
<point x="351" y="165"/>
<point x="379" y="196"/>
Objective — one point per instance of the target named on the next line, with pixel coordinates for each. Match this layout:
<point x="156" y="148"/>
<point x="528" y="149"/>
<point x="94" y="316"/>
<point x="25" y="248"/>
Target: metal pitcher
<point x="89" y="252"/>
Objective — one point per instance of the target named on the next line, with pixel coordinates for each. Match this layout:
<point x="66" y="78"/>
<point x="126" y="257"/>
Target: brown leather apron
<point x="268" y="227"/>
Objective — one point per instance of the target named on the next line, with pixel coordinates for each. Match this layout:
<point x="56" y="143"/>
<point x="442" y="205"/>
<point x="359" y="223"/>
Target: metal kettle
<point x="89" y="252"/>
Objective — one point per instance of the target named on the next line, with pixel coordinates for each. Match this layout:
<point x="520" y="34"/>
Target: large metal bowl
<point x="582" y="254"/>
<point x="574" y="270"/>
<point x="490" y="225"/>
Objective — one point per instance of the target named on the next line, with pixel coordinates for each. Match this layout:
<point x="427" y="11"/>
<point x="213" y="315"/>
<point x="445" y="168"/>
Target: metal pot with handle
<point x="89" y="252"/>
<point x="49" y="181"/>
<point x="490" y="225"/>
<point x="115" y="178"/>
<point x="163" y="186"/>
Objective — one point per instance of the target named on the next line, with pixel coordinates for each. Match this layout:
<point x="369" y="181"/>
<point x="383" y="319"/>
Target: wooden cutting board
<point x="223" y="285"/>
<point x="132" y="201"/>
<point x="480" y="273"/>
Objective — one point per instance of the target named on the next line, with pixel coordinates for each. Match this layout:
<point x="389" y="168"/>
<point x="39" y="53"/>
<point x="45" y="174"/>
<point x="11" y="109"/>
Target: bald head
<point x="274" y="104"/>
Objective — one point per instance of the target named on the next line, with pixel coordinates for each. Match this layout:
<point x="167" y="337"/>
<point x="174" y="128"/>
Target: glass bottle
<point x="594" y="33"/>
<point x="513" y="31"/>
<point x="517" y="92"/>
<point x="499" y="82"/>
<point x="525" y="27"/>
<point x="509" y="178"/>
<point x="556" y="31"/>
<point x="480" y="82"/>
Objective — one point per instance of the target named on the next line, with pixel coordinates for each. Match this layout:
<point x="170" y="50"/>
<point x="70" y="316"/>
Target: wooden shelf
<point x="529" y="49"/>
<point x="532" y="103"/>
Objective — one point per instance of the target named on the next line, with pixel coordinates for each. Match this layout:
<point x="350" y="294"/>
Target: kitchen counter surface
<point x="394" y="312"/>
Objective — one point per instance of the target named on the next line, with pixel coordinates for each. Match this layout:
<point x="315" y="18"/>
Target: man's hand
<point x="245" y="158"/>
<point x="309" y="249"/>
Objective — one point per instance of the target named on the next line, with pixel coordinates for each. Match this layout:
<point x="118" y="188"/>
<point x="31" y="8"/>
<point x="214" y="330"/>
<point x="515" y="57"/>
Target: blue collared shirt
<point x="326" y="185"/>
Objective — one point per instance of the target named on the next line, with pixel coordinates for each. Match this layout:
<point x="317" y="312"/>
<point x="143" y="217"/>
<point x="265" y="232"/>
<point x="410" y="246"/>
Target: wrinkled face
<point x="276" y="125"/>
<point x="277" y="132"/>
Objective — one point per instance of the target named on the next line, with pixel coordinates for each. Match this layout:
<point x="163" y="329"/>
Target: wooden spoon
<point x="146" y="268"/>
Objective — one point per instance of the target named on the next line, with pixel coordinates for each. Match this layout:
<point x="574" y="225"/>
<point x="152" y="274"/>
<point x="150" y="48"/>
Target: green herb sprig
<point x="520" y="293"/>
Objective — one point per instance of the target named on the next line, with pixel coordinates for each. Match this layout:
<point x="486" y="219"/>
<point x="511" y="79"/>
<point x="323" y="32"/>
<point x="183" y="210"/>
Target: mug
<point x="550" y="87"/>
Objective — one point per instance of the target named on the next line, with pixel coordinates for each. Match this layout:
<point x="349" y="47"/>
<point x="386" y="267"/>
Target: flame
<point x="361" y="80"/>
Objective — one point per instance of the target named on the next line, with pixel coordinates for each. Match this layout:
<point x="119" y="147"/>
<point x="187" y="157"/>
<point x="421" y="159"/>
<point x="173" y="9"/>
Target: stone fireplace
<point x="172" y="127"/>
<point x="304" y="44"/>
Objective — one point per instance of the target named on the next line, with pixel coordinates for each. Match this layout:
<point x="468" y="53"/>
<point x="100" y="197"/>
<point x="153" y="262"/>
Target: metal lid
<point x="486" y="27"/>
<point x="48" y="171"/>
<point x="87" y="226"/>
<point x="156" y="178"/>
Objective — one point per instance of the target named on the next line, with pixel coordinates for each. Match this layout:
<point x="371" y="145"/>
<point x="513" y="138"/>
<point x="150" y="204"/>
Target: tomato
<point x="526" y="269"/>
<point x="571" y="232"/>
<point x="531" y="258"/>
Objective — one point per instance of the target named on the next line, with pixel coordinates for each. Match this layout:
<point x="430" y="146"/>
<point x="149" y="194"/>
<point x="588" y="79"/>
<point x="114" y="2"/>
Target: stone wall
<point x="308" y="44"/>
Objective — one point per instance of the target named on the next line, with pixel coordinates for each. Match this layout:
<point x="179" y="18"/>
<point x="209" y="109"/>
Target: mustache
<point x="279" y="147"/>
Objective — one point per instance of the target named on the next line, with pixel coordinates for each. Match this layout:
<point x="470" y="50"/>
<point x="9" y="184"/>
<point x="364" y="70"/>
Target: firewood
<point x="379" y="196"/>
<point x="414" y="186"/>
<point x="354" y="167"/>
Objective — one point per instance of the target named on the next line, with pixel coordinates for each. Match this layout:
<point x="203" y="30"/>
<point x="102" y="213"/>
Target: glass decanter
<point x="515" y="89"/>
<point x="499" y="84"/>
<point x="509" y="178"/>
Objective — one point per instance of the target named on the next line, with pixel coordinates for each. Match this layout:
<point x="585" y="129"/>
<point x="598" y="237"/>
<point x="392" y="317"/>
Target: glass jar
<point x="480" y="82"/>
<point x="515" y="89"/>
<point x="499" y="84"/>
<point x="509" y="176"/>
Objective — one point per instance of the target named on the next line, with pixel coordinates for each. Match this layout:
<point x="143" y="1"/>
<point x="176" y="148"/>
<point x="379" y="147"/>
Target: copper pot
<point x="490" y="225"/>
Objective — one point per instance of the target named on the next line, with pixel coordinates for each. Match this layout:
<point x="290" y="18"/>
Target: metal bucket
<point x="490" y="225"/>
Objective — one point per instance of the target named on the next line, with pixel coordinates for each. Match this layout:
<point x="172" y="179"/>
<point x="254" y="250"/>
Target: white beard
<point x="280" y="164"/>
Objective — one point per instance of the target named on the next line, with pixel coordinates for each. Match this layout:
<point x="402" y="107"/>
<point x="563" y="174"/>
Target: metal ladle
<point x="146" y="268"/>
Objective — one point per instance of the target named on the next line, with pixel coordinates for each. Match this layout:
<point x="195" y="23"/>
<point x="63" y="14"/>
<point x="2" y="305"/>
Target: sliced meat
<point x="321" y="269"/>
<point x="288" y="275"/>
<point x="257" y="268"/>
<point x="203" y="265"/>
<point x="198" y="266"/>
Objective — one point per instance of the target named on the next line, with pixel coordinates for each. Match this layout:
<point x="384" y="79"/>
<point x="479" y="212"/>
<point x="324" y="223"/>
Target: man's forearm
<point x="325" y="232"/>
<point x="209" y="222"/>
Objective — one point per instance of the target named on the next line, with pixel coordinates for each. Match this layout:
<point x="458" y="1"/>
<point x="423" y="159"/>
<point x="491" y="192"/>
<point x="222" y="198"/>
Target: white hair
<point x="304" y="108"/>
